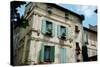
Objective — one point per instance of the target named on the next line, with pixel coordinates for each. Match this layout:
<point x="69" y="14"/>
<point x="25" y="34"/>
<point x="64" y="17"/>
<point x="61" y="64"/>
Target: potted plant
<point x="49" y="32"/>
<point x="63" y="36"/>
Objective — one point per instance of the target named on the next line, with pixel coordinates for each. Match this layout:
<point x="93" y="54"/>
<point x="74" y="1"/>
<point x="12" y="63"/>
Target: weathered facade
<point x="90" y="41"/>
<point x="54" y="35"/>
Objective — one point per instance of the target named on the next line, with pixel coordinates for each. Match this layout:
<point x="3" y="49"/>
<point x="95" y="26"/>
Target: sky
<point x="86" y="10"/>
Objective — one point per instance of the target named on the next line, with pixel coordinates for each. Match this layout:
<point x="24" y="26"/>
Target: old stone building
<point x="54" y="35"/>
<point x="90" y="43"/>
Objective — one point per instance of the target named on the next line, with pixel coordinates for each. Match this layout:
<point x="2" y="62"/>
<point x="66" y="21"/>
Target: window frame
<point x="77" y="28"/>
<point x="61" y="33"/>
<point x="48" y="32"/>
<point x="50" y="55"/>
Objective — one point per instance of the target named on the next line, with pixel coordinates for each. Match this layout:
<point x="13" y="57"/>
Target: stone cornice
<point x="44" y="40"/>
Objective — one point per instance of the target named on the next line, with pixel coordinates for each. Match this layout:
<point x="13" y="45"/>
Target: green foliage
<point x="16" y="20"/>
<point x="63" y="34"/>
<point x="23" y="22"/>
<point x="49" y="30"/>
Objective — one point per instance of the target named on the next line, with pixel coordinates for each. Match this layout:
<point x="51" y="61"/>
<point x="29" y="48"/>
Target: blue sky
<point x="88" y="11"/>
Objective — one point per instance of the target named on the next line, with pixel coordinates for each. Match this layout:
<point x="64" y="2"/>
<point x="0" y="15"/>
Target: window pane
<point x="47" y="53"/>
<point x="49" y="25"/>
<point x="63" y="30"/>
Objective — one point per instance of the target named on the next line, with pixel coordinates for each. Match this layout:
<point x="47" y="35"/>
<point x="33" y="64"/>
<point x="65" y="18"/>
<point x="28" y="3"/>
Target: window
<point x="77" y="51"/>
<point x="49" y="9"/>
<point x="48" y="28"/>
<point x="76" y="28"/>
<point x="63" y="32"/>
<point x="66" y="16"/>
<point x="77" y="48"/>
<point x="47" y="54"/>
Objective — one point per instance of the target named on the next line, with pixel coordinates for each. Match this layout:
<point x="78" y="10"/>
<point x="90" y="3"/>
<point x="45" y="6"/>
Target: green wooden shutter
<point x="43" y="26"/>
<point x="58" y="31"/>
<point x="63" y="55"/>
<point x="41" y="57"/>
<point x="53" y="29"/>
<point x="66" y="31"/>
<point x="52" y="54"/>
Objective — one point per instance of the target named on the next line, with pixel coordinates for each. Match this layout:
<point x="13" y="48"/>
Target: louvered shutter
<point x="43" y="26"/>
<point x="58" y="31"/>
<point x="41" y="54"/>
<point x="66" y="32"/>
<point x="53" y="29"/>
<point x="63" y="55"/>
<point x="52" y="54"/>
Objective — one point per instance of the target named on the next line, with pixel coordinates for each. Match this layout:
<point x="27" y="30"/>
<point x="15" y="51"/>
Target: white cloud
<point x="88" y="11"/>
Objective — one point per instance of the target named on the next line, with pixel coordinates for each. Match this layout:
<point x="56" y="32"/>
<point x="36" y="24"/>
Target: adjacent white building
<point x="90" y="41"/>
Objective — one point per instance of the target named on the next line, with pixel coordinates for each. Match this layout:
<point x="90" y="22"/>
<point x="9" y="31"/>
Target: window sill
<point x="62" y="38"/>
<point x="48" y="34"/>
